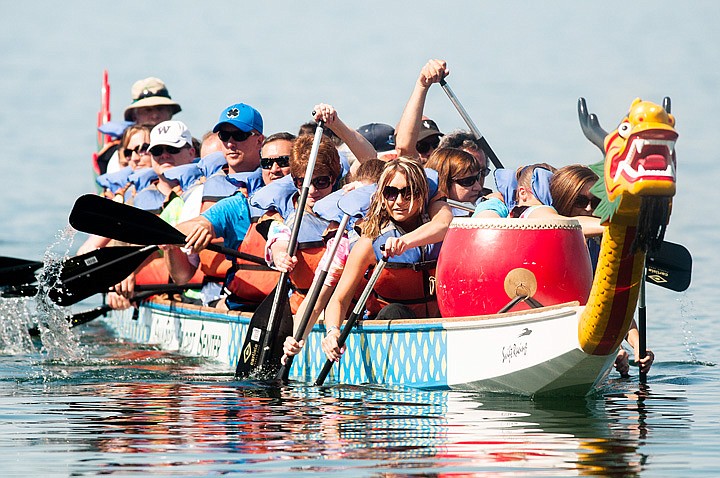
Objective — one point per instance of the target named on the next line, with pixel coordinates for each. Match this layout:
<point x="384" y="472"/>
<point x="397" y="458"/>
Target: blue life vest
<point x="115" y="180"/>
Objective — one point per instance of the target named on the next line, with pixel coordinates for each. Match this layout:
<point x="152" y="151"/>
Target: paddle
<point x="642" y="324"/>
<point x="259" y="353"/>
<point x="669" y="267"/>
<point x="96" y="271"/>
<point x="81" y="318"/>
<point x="313" y="295"/>
<point x="87" y="274"/>
<point x="17" y="271"/>
<point x="469" y="122"/>
<point x="356" y="314"/>
<point x="97" y="215"/>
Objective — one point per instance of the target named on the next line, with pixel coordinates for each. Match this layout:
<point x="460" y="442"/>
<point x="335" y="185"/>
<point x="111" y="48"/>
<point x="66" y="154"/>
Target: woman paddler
<point x="411" y="231"/>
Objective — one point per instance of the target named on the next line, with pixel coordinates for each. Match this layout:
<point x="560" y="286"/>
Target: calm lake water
<point x="81" y="403"/>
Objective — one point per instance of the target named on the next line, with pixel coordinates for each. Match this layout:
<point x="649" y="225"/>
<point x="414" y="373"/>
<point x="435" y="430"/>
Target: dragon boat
<point x="522" y="311"/>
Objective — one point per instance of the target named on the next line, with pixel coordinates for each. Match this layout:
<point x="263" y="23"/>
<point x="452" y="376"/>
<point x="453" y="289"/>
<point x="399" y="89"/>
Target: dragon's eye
<point x="624" y="130"/>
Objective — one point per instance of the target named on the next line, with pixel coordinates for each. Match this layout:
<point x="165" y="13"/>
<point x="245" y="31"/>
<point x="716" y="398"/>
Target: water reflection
<point x="170" y="421"/>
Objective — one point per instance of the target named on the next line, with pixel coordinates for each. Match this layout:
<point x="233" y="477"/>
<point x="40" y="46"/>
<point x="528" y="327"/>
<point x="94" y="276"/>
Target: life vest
<point x="112" y="182"/>
<point x="280" y="196"/>
<point x="155" y="272"/>
<point x="249" y="282"/>
<point x="407" y="279"/>
<point x="310" y="249"/>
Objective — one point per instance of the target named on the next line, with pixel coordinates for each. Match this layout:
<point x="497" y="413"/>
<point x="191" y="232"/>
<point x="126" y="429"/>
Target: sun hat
<point x="150" y="92"/>
<point x="428" y="128"/>
<point x="242" y="116"/>
<point x="170" y="133"/>
<point x="380" y="135"/>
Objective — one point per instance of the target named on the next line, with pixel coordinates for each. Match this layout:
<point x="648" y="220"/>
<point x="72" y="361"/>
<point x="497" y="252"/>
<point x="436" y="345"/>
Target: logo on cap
<point x="233" y="113"/>
<point x="427" y="125"/>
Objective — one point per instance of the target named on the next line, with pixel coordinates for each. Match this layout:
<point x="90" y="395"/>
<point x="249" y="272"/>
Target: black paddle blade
<point x="96" y="271"/>
<point x="670" y="267"/>
<point x="249" y="361"/>
<point x="106" y="218"/>
<point x="14" y="271"/>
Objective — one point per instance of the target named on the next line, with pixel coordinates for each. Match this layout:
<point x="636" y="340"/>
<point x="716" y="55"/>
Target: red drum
<point x="485" y="263"/>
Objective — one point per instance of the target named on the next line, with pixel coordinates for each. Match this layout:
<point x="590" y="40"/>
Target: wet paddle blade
<point x="248" y="364"/>
<point x="96" y="215"/>
<point x="96" y="271"/>
<point x="670" y="267"/>
<point x="14" y="271"/>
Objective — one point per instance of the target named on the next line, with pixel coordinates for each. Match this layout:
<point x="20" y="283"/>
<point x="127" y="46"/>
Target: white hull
<point x="529" y="352"/>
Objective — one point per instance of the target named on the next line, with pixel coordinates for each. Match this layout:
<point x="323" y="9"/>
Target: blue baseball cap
<point x="242" y="116"/>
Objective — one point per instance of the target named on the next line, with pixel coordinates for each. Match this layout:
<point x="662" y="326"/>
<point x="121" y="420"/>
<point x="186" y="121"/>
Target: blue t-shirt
<point x="230" y="218"/>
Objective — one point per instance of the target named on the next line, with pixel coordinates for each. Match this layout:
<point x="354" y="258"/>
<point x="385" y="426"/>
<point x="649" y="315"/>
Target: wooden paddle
<point x="260" y="353"/>
<point x="14" y="271"/>
<point x="313" y="295"/>
<point x="96" y="215"/>
<point x="356" y="314"/>
<point x="469" y="122"/>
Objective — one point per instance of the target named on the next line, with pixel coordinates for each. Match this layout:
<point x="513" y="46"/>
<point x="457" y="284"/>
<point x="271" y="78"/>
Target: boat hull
<point x="532" y="352"/>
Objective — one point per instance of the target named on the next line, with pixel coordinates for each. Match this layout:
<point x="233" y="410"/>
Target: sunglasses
<point x="236" y="135"/>
<point x="582" y="202"/>
<point x="470" y="180"/>
<point x="161" y="148"/>
<point x="140" y="150"/>
<point x="391" y="193"/>
<point x="424" y="146"/>
<point x="282" y="162"/>
<point x="321" y="182"/>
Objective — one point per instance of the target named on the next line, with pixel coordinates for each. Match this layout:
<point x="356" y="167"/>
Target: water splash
<point x="689" y="317"/>
<point x="26" y="316"/>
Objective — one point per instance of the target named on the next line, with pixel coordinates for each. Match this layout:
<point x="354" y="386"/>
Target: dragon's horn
<point x="591" y="126"/>
<point x="666" y="104"/>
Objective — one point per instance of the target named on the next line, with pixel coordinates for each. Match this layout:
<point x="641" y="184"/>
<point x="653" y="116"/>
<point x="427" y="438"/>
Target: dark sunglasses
<point x="321" y="182"/>
<point x="391" y="193"/>
<point x="282" y="162"/>
<point x="140" y="150"/>
<point x="161" y="148"/>
<point x="582" y="202"/>
<point x="237" y="135"/>
<point x="470" y="180"/>
<point x="424" y="146"/>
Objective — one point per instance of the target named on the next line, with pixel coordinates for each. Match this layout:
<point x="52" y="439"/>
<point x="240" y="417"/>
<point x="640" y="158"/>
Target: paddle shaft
<point x="642" y="325"/>
<point x="350" y="322"/>
<point x="148" y="291"/>
<point x="460" y="205"/>
<point x="281" y="293"/>
<point x="97" y="215"/>
<point x="469" y="122"/>
<point x="313" y="295"/>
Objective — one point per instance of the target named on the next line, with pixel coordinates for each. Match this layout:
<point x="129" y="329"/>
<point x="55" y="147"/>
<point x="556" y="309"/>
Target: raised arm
<point x="359" y="146"/>
<point x="408" y="128"/>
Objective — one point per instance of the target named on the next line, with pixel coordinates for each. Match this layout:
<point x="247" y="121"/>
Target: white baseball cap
<point x="170" y="133"/>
